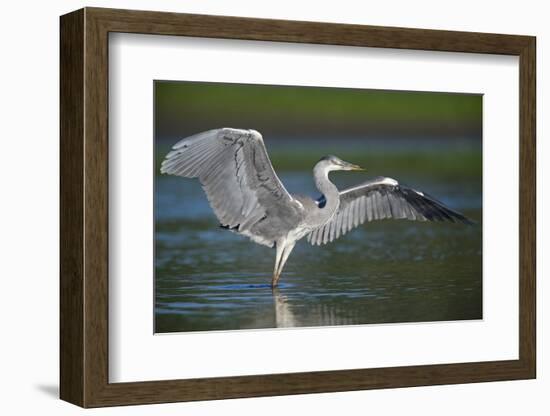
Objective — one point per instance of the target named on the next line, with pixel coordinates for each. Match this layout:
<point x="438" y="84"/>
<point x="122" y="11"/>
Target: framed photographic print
<point x="254" y="207"/>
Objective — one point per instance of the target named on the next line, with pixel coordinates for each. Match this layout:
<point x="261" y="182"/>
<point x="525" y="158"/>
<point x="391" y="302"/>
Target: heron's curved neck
<point x="327" y="188"/>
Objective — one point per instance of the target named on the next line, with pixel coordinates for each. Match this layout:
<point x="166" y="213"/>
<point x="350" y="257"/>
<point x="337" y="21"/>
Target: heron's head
<point x="330" y="163"/>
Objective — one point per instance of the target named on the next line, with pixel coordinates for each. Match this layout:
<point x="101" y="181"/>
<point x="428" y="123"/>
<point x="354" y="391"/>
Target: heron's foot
<point x="275" y="280"/>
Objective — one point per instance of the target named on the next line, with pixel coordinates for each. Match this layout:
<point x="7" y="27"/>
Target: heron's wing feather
<point x="379" y="199"/>
<point x="237" y="176"/>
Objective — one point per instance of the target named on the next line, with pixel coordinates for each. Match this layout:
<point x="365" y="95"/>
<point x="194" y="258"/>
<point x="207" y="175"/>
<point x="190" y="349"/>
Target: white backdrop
<point x="29" y="224"/>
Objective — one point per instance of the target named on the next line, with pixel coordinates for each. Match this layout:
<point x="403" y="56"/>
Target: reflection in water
<point x="283" y="314"/>
<point x="389" y="271"/>
<point x="330" y="315"/>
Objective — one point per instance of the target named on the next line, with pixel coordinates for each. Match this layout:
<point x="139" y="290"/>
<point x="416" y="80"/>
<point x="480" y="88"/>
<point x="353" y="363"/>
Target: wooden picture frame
<point x="84" y="207"/>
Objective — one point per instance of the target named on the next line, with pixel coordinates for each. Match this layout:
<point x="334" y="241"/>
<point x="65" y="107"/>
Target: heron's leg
<point x="279" y="246"/>
<point x="285" y="252"/>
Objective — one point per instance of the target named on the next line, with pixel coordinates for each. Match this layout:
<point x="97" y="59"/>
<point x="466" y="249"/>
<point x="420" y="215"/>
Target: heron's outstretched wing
<point x="379" y="199"/>
<point x="237" y="176"/>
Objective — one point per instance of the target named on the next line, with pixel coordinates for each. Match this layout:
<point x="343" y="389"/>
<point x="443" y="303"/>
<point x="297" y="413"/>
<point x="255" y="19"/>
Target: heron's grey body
<point x="248" y="198"/>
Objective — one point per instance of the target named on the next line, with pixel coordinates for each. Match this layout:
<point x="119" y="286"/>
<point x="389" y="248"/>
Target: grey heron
<point x="248" y="198"/>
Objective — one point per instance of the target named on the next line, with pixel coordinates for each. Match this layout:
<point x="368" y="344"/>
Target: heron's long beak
<point x="351" y="166"/>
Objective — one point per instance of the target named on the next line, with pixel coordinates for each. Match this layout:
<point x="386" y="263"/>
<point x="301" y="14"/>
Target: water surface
<point x="207" y="278"/>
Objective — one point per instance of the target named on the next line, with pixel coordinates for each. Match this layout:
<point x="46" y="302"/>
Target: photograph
<point x="254" y="204"/>
<point x="282" y="206"/>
